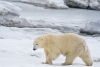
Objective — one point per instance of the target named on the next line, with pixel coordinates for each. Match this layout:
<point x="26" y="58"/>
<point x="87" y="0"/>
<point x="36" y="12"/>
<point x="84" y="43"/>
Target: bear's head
<point x="38" y="43"/>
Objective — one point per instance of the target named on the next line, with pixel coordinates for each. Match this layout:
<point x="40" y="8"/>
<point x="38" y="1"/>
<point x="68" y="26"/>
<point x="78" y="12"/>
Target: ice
<point x="9" y="15"/>
<point x="77" y="3"/>
<point x="93" y="4"/>
<point x="91" y="28"/>
<point x="6" y="7"/>
<point x="59" y="4"/>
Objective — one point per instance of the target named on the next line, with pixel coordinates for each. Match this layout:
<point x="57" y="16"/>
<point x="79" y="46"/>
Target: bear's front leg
<point x="48" y="61"/>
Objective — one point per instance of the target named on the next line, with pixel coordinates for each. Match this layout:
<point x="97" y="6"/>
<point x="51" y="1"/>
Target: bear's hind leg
<point x="69" y="60"/>
<point x="86" y="58"/>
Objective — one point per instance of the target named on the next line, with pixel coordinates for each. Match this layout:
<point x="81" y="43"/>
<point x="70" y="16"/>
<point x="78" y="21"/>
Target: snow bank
<point x="77" y="3"/>
<point x="91" y="28"/>
<point x="23" y="23"/>
<point x="59" y="4"/>
<point x="9" y="15"/>
<point x="23" y="33"/>
<point x="93" y="4"/>
<point x="8" y="8"/>
<point x="14" y="22"/>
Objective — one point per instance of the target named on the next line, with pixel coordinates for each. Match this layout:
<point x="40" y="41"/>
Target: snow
<point x="9" y="15"/>
<point x="77" y="3"/>
<point x="94" y="5"/>
<point x="19" y="53"/>
<point x="6" y="7"/>
<point x="91" y="28"/>
<point x="59" y="4"/>
<point x="16" y="44"/>
<point x="14" y="34"/>
<point x="63" y="4"/>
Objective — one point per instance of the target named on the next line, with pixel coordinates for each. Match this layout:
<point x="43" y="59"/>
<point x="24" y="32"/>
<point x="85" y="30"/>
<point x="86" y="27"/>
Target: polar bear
<point x="68" y="44"/>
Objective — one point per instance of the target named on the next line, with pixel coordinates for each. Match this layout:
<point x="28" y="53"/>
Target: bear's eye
<point x="36" y="44"/>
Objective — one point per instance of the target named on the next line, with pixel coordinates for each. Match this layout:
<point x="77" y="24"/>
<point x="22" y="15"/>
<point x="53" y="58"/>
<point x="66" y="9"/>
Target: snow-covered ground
<point x="16" y="44"/>
<point x="16" y="49"/>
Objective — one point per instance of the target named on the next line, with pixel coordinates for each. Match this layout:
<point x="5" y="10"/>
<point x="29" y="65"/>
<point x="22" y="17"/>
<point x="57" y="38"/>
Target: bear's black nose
<point x="34" y="49"/>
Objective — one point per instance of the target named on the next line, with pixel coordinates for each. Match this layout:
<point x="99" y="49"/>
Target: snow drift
<point x="92" y="4"/>
<point x="8" y="8"/>
<point x="24" y="23"/>
<point x="9" y="15"/>
<point x="77" y="3"/>
<point x="63" y="4"/>
<point x="55" y="4"/>
<point x="91" y="28"/>
<point x="23" y="33"/>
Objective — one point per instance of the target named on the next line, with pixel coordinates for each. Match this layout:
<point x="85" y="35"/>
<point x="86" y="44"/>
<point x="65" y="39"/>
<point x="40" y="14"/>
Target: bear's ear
<point x="42" y="38"/>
